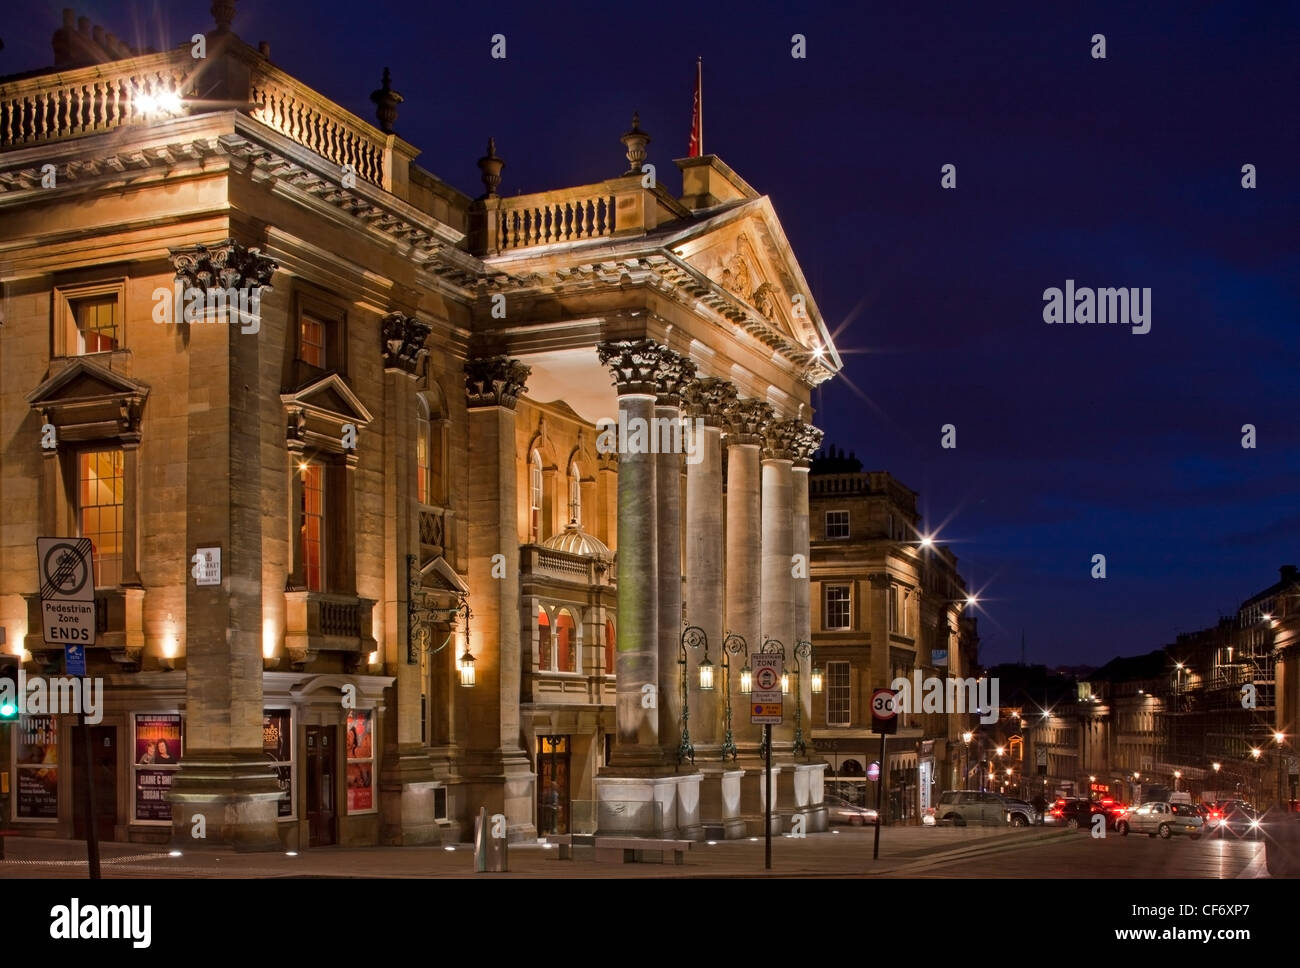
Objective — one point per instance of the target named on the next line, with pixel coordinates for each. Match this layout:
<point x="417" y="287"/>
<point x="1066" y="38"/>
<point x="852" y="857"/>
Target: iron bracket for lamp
<point x="695" y="637"/>
<point x="420" y="615"/>
<point x="733" y="644"/>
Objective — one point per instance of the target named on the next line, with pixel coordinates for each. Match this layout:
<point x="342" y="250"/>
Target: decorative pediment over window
<point x="318" y="417"/>
<point x="85" y="401"/>
<point x="438" y="576"/>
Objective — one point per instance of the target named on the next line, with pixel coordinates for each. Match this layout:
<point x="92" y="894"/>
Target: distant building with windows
<point x="883" y="606"/>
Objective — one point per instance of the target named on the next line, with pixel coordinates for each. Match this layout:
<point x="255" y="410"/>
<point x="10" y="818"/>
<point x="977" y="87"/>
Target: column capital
<point x="781" y="440"/>
<point x="675" y="374"/>
<point x="634" y="364"/>
<point x="808" y="439"/>
<point x="402" y="342"/>
<point x="709" y="398"/>
<point x="225" y="265"/>
<point x="747" y="421"/>
<point x="494" y="381"/>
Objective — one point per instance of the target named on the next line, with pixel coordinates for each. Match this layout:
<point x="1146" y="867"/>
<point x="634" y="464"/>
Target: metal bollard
<point x="491" y="844"/>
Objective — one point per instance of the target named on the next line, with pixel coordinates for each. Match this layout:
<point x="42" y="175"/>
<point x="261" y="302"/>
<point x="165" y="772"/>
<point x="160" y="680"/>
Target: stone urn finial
<point x="635" y="141"/>
<point x="386" y="101"/>
<point x="490" y="167"/>
<point x="223" y="12"/>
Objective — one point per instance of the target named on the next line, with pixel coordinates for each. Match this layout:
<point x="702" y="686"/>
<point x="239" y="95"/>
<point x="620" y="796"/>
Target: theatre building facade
<point x="402" y="503"/>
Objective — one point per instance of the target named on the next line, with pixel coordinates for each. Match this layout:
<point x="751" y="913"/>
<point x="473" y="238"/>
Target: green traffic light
<point x="8" y="710"/>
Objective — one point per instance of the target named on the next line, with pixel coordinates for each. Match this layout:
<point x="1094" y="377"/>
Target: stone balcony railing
<point x="119" y="626"/>
<point x="321" y="622"/>
<point x="92" y="100"/>
<point x="614" y="208"/>
<point x="539" y="562"/>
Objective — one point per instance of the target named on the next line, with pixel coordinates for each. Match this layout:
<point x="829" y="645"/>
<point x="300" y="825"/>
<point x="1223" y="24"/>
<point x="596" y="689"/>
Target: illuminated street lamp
<point x="802" y="650"/>
<point x="693" y="637"/>
<point x="817" y="681"/>
<point x="732" y="645"/>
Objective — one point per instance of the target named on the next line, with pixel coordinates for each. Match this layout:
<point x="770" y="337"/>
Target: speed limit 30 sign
<point x="884" y="711"/>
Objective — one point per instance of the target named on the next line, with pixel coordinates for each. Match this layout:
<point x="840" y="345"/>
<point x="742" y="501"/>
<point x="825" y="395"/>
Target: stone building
<point x="377" y="542"/>
<point x="885" y="605"/>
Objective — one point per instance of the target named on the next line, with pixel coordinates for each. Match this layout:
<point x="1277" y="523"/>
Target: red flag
<point x="697" y="114"/>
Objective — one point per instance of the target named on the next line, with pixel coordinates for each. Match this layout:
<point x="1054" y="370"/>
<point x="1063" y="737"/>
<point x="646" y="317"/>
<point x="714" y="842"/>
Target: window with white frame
<point x="838" y="702"/>
<point x="837" y="525"/>
<point x="836" y="613"/>
<point x="535" y="495"/>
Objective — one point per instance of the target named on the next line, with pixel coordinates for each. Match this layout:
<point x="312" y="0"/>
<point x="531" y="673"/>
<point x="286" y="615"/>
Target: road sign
<point x="884" y="711"/>
<point x="74" y="660"/>
<point x="873" y="771"/>
<point x="67" y="576"/>
<point x="765" y="700"/>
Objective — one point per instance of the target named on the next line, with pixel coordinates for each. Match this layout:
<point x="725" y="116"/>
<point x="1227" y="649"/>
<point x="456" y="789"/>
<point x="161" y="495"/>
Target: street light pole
<point x="732" y="645"/>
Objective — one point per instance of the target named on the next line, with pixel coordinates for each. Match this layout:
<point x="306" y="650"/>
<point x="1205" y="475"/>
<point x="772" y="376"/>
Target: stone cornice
<point x="494" y="381"/>
<point x="709" y="398"/>
<point x="747" y="422"/>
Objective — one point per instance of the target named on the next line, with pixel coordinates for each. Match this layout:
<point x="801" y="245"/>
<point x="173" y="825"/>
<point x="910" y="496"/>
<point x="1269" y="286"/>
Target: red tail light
<point x="1057" y="812"/>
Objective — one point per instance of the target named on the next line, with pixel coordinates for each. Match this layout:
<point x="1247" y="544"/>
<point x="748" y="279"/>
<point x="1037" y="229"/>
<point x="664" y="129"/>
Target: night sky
<point x="1071" y="440"/>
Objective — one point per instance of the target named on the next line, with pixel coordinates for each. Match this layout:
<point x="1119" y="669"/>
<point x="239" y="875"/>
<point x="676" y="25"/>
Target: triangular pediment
<point x="436" y="574"/>
<point x="82" y="381"/>
<point x="329" y="397"/>
<point x="742" y="252"/>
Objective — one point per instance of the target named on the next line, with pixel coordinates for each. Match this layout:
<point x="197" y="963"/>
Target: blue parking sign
<point x="74" y="660"/>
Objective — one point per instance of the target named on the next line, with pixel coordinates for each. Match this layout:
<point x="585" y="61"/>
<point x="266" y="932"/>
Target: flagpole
<point x="699" y="85"/>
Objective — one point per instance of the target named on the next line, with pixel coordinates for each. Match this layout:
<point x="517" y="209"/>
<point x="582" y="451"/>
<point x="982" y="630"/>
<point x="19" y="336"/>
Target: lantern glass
<point x="467" y="669"/>
<point x="746" y="679"/>
<point x="785" y="683"/>
<point x="706" y="675"/>
<point x="817" y="681"/>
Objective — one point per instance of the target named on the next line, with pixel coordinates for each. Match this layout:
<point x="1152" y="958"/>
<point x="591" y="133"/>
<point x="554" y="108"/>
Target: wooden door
<point x="322" y="810"/>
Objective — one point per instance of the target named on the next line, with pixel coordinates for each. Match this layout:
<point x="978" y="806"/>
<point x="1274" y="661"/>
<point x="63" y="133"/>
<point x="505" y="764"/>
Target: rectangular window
<point x="95" y="318"/>
<point x="424" y="471"/>
<point x="313" y="527"/>
<point x="893" y="608"/>
<point x="100" y="495"/>
<point x="837" y="524"/>
<point x="311" y="340"/>
<point x="838" y="711"/>
<point x="836" y="614"/>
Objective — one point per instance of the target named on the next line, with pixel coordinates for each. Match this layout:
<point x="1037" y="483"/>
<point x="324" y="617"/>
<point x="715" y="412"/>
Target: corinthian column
<point x="496" y="767"/>
<point x="746" y="422"/>
<point x="635" y="365"/>
<point x="778" y="553"/>
<point x="673" y="374"/>
<point x="807" y="440"/>
<point x="707" y="401"/>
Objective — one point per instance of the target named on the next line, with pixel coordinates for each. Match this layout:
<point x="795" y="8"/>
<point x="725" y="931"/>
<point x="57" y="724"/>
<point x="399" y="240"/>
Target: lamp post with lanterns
<point x="692" y="637"/>
<point x="733" y="644"/>
<point x="802" y="650"/>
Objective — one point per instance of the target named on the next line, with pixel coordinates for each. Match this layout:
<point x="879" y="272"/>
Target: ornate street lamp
<point x="816" y="681"/>
<point x="732" y="645"/>
<point x="419" y="616"/>
<point x="694" y="637"/>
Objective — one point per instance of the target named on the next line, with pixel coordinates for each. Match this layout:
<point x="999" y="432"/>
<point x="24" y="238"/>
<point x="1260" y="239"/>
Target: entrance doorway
<point x="553" y="784"/>
<point x="322" y="813"/>
<point x="103" y="752"/>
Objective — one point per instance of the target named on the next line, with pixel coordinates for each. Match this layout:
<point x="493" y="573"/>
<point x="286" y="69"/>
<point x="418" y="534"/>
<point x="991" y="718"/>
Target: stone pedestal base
<point x="752" y="798"/>
<point x="800" y="794"/>
<point x="720" y="803"/>
<point x="665" y="806"/>
<point x="407" y="785"/>
<point x="235" y="794"/>
<point x="503" y="783"/>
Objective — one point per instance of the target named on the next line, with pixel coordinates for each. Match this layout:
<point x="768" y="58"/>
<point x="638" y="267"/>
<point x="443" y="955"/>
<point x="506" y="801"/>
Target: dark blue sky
<point x="1072" y="441"/>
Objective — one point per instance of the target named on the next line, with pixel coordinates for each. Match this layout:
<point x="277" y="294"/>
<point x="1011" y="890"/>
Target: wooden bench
<point x="623" y="850"/>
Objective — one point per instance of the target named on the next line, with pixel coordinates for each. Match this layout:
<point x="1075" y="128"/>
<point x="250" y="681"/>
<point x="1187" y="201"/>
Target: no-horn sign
<point x="884" y="711"/>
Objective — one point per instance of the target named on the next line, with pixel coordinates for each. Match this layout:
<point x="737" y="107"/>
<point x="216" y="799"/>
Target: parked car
<point x="1021" y="813"/>
<point x="1281" y="828"/>
<point x="1114" y="812"/>
<point x="1235" y="818"/>
<point x="962" y="807"/>
<point x="839" y="811"/>
<point x="1072" y="812"/>
<point x="1162" y="819"/>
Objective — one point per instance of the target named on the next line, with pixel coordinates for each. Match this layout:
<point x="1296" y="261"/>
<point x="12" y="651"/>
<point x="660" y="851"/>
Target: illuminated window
<point x="423" y="457"/>
<point x="575" y="494"/>
<point x="95" y="318"/>
<point x="313" y="527"/>
<point x="610" y="640"/>
<point x="566" y="642"/>
<point x="836" y="613"/>
<point x="838" y="711"/>
<point x="535" y="495"/>
<point x="543" y="640"/>
<point x="311" y="340"/>
<point x="837" y="524"/>
<point x="99" y="511"/>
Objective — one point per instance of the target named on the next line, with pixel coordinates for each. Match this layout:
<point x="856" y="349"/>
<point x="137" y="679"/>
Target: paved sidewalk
<point x="843" y="853"/>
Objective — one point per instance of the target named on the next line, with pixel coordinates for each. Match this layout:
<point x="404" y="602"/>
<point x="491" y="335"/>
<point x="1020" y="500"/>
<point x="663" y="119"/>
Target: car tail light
<point x="1057" y="812"/>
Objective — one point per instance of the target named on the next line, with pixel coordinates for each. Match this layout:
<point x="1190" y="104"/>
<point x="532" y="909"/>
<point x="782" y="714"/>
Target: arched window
<point x="575" y="494"/>
<point x="535" y="495"/>
<point x="543" y="640"/>
<point x="566" y="642"/>
<point x="424" y="455"/>
<point x="610" y="640"/>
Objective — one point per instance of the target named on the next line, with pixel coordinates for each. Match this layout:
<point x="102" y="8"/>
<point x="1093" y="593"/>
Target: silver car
<point x="839" y="810"/>
<point x="1162" y="819"/>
